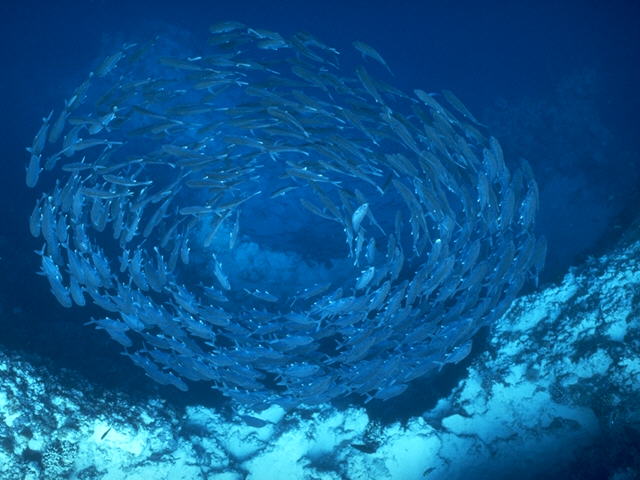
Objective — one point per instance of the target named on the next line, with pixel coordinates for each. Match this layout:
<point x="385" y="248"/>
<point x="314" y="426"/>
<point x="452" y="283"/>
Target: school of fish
<point x="257" y="216"/>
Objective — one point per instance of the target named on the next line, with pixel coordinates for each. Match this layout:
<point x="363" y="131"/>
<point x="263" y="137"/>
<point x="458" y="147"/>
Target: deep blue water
<point x="557" y="84"/>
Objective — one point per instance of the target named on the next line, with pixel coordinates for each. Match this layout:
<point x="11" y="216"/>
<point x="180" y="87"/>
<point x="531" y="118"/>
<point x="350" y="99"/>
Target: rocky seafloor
<point x="555" y="395"/>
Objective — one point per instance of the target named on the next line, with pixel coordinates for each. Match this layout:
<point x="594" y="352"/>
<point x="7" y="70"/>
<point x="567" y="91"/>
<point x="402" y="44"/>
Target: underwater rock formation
<point x="252" y="215"/>
<point x="559" y="381"/>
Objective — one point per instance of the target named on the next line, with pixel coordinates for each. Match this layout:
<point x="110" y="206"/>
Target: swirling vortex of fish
<point x="252" y="216"/>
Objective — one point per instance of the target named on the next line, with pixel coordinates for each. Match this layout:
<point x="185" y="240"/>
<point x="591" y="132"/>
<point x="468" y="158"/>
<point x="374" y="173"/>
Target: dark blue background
<point x="557" y="83"/>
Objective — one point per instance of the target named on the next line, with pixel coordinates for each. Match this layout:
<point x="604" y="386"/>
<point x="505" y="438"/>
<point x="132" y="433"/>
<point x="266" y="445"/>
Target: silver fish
<point x="369" y="51"/>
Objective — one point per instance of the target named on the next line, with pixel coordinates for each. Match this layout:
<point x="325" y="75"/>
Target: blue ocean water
<point x="556" y="84"/>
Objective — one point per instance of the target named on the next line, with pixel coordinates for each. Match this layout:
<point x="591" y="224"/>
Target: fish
<point x="365" y="278"/>
<point x="254" y="422"/>
<point x="459" y="106"/>
<point x="58" y="126"/>
<point x="368" y="84"/>
<point x="126" y="182"/>
<point x="220" y="275"/>
<point x="429" y="101"/>
<point x="528" y="208"/>
<point x="457" y="354"/>
<point x="386" y="393"/>
<point x="390" y="232"/>
<point x="262" y="295"/>
<point x="283" y="191"/>
<point x="370" y="52"/>
<point x="226" y="26"/>
<point x="358" y="215"/>
<point x="39" y="141"/>
<point x="33" y="169"/>
<point x="234" y="232"/>
<point x="108" y="64"/>
<point x="196" y="210"/>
